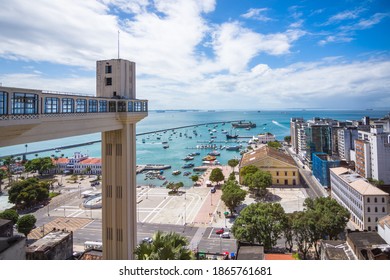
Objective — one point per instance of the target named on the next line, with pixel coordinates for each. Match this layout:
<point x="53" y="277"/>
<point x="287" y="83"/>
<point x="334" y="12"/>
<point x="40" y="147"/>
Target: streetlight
<point x="79" y="190"/>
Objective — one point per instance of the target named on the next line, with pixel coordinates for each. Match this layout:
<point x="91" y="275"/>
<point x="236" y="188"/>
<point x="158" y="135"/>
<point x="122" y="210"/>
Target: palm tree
<point x="164" y="246"/>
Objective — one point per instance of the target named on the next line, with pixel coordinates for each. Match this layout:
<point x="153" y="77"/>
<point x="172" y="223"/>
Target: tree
<point x="26" y="223"/>
<point x="3" y="175"/>
<point x="377" y="183"/>
<point x="216" y="175"/>
<point x="28" y="192"/>
<point x="287" y="139"/>
<point x="274" y="144"/>
<point x="40" y="165"/>
<point x="10" y="214"/>
<point x="259" y="182"/>
<point x="288" y="231"/>
<point x="249" y="169"/>
<point x="232" y="177"/>
<point x="260" y="223"/>
<point x="165" y="246"/>
<point x="232" y="195"/>
<point x="8" y="162"/>
<point x="174" y="187"/>
<point x="302" y="234"/>
<point x="233" y="163"/>
<point x="195" y="178"/>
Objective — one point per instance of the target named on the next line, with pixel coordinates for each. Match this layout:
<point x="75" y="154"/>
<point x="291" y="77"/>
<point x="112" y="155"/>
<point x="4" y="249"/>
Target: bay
<point x="152" y="151"/>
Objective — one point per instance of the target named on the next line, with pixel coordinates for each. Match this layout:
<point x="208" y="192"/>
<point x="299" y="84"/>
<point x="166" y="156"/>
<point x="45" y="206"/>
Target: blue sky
<point x="208" y="54"/>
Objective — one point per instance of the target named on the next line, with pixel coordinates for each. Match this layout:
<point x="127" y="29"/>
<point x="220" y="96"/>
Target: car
<point x="147" y="240"/>
<point x="220" y="231"/>
<point x="213" y="190"/>
<point x="226" y="234"/>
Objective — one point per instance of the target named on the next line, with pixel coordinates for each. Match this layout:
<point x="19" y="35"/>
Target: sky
<point x="206" y="54"/>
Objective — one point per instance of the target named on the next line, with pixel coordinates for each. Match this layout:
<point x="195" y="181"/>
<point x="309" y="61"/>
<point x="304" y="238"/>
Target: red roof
<point x="91" y="161"/>
<point x="60" y="160"/>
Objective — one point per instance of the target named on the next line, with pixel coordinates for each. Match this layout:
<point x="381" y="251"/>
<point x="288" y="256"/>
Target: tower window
<point x="108" y="69"/>
<point x="108" y="81"/>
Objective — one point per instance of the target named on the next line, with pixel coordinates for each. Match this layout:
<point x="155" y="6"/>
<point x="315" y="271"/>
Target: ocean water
<point x="152" y="151"/>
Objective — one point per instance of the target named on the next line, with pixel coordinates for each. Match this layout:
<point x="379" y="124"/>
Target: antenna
<point x="118" y="44"/>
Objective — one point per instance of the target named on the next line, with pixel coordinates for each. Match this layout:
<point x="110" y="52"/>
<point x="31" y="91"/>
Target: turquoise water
<point x="152" y="151"/>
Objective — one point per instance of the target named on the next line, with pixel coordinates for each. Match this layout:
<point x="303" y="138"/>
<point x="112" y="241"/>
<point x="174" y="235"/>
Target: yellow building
<point x="281" y="165"/>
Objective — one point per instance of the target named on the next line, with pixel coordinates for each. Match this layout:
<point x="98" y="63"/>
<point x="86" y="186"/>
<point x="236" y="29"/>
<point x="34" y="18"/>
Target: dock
<point x="148" y="167"/>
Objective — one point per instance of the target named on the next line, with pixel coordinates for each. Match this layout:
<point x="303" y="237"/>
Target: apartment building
<point x="366" y="203"/>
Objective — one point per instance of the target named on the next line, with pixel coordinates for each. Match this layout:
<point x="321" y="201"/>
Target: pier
<point x="148" y="167"/>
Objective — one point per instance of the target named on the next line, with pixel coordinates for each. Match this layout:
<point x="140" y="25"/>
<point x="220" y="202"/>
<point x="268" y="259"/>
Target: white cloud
<point x="256" y="14"/>
<point x="345" y="15"/>
<point x="368" y="23"/>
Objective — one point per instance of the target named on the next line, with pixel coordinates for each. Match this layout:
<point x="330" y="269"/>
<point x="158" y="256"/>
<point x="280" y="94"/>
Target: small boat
<point x="143" y="140"/>
<point x="188" y="165"/>
<point x="187" y="158"/>
<point x="186" y="173"/>
<point x="209" y="158"/>
<point x="165" y="142"/>
<point x="176" y="172"/>
<point x="214" y="153"/>
<point x="233" y="148"/>
<point x="166" y="146"/>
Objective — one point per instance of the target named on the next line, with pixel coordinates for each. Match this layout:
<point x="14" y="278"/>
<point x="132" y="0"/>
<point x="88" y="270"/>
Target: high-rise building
<point x="346" y="141"/>
<point x="295" y="124"/>
<point x="318" y="139"/>
<point x="374" y="154"/>
<point x="321" y="164"/>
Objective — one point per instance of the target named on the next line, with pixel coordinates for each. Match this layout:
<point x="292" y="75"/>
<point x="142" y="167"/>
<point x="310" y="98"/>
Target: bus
<point x="95" y="245"/>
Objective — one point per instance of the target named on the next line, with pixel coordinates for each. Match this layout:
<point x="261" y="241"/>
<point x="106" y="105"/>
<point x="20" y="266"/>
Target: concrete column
<point x="119" y="193"/>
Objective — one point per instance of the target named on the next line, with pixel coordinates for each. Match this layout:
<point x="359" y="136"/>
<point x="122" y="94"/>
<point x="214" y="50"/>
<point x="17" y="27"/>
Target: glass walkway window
<point x="24" y="103"/>
<point x="121" y="106"/>
<point x="102" y="105"/>
<point x="3" y="103"/>
<point x="92" y="106"/>
<point x="81" y="105"/>
<point x="112" y="106"/>
<point x="67" y="105"/>
<point x="51" y="105"/>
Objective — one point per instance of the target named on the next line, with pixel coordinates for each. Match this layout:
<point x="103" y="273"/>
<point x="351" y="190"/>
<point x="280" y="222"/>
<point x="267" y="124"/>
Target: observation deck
<point x="28" y="115"/>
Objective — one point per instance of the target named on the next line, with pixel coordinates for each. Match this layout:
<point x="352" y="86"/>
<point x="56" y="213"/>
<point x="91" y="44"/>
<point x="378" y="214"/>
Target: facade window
<point x="51" y="105"/>
<point x="108" y="81"/>
<point x="92" y="106"/>
<point x="293" y="173"/>
<point x="108" y="69"/>
<point x="285" y="173"/>
<point x="369" y="228"/>
<point x="383" y="200"/>
<point x="368" y="209"/>
<point x="81" y="105"/>
<point x="376" y="219"/>
<point x="112" y="106"/>
<point x="376" y="209"/>
<point x="277" y="173"/>
<point x="102" y="105"/>
<point x="24" y="103"/>
<point x="383" y="209"/>
<point x="67" y="105"/>
<point x="277" y="181"/>
<point x="375" y="200"/>
<point x="137" y="107"/>
<point x="369" y="219"/>
<point x="3" y="103"/>
<point x="121" y="106"/>
<point x="368" y="200"/>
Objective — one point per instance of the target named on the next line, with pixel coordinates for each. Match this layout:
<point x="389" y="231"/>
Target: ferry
<point x="188" y="165"/>
<point x="242" y="124"/>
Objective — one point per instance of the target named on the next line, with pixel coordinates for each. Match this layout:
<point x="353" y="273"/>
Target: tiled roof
<point x="269" y="257"/>
<point x="91" y="161"/>
<point x="264" y="152"/>
<point x="60" y="160"/>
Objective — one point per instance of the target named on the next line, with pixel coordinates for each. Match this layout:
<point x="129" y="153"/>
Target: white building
<point x="366" y="203"/>
<point x="346" y="137"/>
<point x="384" y="228"/>
<point x="265" y="138"/>
<point x="379" y="152"/>
<point x="78" y="164"/>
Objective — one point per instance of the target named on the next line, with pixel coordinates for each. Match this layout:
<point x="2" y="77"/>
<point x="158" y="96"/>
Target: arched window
<point x="369" y="219"/>
<point x="376" y="209"/>
<point x="368" y="209"/>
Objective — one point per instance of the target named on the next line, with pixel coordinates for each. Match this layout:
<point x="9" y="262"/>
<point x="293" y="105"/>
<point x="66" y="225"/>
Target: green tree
<point x="10" y="214"/>
<point x="232" y="177"/>
<point x="287" y="139"/>
<point x="174" y="187"/>
<point x="288" y="231"/>
<point x="28" y="192"/>
<point x="216" y="175"/>
<point x="246" y="170"/>
<point x="165" y="246"/>
<point x="195" y="178"/>
<point x="233" y="163"/>
<point x="3" y="175"/>
<point x="377" y="183"/>
<point x="8" y="162"/>
<point x="301" y="225"/>
<point x="232" y="195"/>
<point x="260" y="223"/>
<point x="274" y="144"/>
<point x="40" y="165"/>
<point x="259" y="182"/>
<point x="26" y="223"/>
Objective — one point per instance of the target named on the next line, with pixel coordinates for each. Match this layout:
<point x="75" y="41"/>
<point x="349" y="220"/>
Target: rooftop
<point x="48" y="241"/>
<point x="357" y="182"/>
<point x="264" y="152"/>
<point x="91" y="161"/>
<point x="384" y="221"/>
<point x="365" y="239"/>
<point x="271" y="257"/>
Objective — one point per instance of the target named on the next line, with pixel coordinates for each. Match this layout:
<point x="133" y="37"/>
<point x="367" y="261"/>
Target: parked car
<point x="147" y="240"/>
<point x="212" y="190"/>
<point x="220" y="231"/>
<point x="226" y="234"/>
